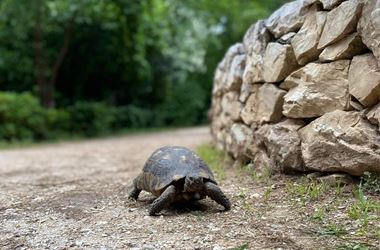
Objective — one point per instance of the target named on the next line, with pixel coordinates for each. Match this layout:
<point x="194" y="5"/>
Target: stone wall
<point x="301" y="92"/>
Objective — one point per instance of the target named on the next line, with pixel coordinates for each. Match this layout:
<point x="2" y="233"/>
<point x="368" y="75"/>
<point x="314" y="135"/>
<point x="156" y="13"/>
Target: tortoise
<point x="176" y="174"/>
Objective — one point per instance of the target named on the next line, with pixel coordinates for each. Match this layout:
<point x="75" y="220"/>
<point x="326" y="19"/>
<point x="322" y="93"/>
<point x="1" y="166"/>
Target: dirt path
<point x="73" y="195"/>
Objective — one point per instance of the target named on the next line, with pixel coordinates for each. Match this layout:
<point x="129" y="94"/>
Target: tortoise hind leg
<point x="134" y="194"/>
<point x="165" y="199"/>
<point x="215" y="193"/>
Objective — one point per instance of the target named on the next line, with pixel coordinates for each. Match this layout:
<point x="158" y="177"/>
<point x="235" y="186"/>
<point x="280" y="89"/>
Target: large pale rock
<point x="256" y="38"/>
<point x="369" y="26"/>
<point x="373" y="115"/>
<point x="287" y="38"/>
<point x="255" y="42"/>
<point x="288" y="18"/>
<point x="330" y="4"/>
<point x="234" y="50"/>
<point x="279" y="62"/>
<point x="225" y="121"/>
<point x="249" y="112"/>
<point x="241" y="138"/>
<point x="235" y="74"/>
<point x="341" y="141"/>
<point x="231" y="105"/>
<point x="246" y="90"/>
<point x="305" y="43"/>
<point x="263" y="106"/>
<point x="317" y="89"/>
<point x="220" y="128"/>
<point x="219" y="75"/>
<point x="216" y="106"/>
<point x="340" y="22"/>
<point x="364" y="79"/>
<point x="344" y="49"/>
<point x="253" y="72"/>
<point x="222" y="71"/>
<point x="282" y="145"/>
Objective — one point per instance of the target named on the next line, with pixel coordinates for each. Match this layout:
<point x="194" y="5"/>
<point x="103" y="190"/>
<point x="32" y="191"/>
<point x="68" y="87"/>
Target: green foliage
<point x="91" y="118"/>
<point x="184" y="105"/>
<point x="319" y="214"/>
<point x="58" y="123"/>
<point x="363" y="209"/>
<point x="153" y="58"/>
<point x="21" y="117"/>
<point x="267" y="192"/>
<point x="333" y="229"/>
<point x="245" y="246"/>
<point x="133" y="117"/>
<point x="306" y="191"/>
<point x="370" y="182"/>
<point x="258" y="175"/>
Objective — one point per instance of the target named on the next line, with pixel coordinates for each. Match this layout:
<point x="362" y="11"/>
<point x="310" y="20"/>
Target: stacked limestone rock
<point x="302" y="90"/>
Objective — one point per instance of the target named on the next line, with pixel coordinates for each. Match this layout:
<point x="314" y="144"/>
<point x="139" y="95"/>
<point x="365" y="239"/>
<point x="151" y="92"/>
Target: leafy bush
<point x="91" y="118"/>
<point x="21" y="117"/>
<point x="133" y="117"/>
<point x="184" y="105"/>
<point x="59" y="123"/>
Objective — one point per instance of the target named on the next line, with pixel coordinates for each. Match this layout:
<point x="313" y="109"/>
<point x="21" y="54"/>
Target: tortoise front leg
<point x="165" y="199"/>
<point x="214" y="192"/>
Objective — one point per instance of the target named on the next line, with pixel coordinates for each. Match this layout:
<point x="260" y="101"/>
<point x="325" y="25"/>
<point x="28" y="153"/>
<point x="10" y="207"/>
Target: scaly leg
<point x="165" y="199"/>
<point x="214" y="192"/>
<point x="134" y="194"/>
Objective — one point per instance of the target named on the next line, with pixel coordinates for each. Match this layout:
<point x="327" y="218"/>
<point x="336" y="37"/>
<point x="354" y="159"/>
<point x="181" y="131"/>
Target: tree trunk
<point x="46" y="87"/>
<point x="58" y="62"/>
<point x="40" y="65"/>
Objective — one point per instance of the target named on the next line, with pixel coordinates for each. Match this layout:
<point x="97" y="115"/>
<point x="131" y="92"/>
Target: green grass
<point x="214" y="158"/>
<point x="306" y="191"/>
<point x="363" y="209"/>
<point x="338" y="188"/>
<point x="260" y="177"/>
<point x="242" y="247"/>
<point x="333" y="229"/>
<point x="267" y="193"/>
<point x="371" y="182"/>
<point x="319" y="214"/>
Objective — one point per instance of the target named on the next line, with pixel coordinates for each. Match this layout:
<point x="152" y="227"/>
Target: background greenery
<point x="91" y="67"/>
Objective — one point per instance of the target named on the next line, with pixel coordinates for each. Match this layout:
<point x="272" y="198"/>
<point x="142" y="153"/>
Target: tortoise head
<point x="193" y="184"/>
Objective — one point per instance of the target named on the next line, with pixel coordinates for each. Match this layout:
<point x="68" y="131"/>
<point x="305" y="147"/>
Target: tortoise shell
<point x="171" y="164"/>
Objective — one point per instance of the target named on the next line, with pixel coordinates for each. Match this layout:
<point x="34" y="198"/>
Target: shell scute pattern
<point x="169" y="164"/>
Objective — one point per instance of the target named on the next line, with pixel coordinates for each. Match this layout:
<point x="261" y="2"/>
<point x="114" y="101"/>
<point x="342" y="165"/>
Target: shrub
<point x="184" y="105"/>
<point x="133" y="117"/>
<point x="59" y="123"/>
<point x="91" y="118"/>
<point x="21" y="117"/>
